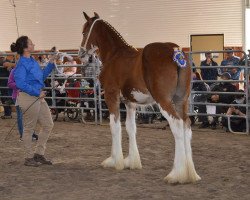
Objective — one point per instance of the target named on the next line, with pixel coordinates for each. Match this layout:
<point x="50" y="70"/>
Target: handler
<point x="29" y="79"/>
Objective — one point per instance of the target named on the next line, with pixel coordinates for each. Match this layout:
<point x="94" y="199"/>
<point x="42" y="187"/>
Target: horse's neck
<point x="109" y="43"/>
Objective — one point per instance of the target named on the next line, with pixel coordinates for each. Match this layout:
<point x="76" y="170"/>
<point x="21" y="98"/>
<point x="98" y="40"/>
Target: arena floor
<point x="221" y="159"/>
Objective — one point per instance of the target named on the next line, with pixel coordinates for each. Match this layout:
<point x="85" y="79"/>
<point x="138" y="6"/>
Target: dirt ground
<point x="221" y="159"/>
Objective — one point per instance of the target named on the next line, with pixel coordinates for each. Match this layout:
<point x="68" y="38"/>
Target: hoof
<point x="111" y="163"/>
<point x="174" y="178"/>
<point x="132" y="163"/>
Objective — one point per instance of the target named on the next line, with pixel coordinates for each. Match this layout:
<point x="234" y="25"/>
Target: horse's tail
<point x="183" y="87"/>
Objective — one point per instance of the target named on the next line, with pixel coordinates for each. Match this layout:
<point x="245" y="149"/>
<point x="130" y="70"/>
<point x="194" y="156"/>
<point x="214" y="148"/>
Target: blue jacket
<point x="234" y="61"/>
<point x="29" y="77"/>
<point x="235" y="76"/>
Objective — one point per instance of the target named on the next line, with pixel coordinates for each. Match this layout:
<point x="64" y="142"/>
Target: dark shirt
<point x="4" y="72"/>
<point x="199" y="86"/>
<point x="226" y="87"/>
<point x="209" y="74"/>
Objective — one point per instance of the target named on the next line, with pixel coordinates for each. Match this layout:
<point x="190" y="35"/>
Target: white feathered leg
<point x="116" y="159"/>
<point x="133" y="160"/>
<point x="179" y="173"/>
<point x="192" y="175"/>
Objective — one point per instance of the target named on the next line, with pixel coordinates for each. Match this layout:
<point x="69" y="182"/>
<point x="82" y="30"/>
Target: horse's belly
<point x="142" y="98"/>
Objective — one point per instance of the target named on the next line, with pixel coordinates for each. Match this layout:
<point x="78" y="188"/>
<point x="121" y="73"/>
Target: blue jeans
<point x="7" y="111"/>
<point x="20" y="120"/>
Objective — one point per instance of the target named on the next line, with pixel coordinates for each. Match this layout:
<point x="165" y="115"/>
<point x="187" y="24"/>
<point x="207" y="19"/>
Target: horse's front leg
<point x="133" y="160"/>
<point x="116" y="159"/>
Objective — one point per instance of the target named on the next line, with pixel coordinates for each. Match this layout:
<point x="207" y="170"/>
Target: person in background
<point x="5" y="68"/>
<point x="43" y="59"/>
<point x="248" y="57"/>
<point x="222" y="98"/>
<point x="209" y="73"/>
<point x="237" y="124"/>
<point x="231" y="60"/>
<point x="29" y="78"/>
<point x="12" y="85"/>
<point x="244" y="59"/>
<point x="59" y="70"/>
<point x="200" y="86"/>
<point x="91" y="71"/>
<point x="235" y="73"/>
<point x="69" y="71"/>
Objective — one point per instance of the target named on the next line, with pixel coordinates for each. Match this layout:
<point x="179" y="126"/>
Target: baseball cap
<point x="226" y="75"/>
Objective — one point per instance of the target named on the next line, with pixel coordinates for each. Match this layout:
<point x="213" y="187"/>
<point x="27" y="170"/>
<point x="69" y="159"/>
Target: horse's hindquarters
<point x="169" y="87"/>
<point x="159" y="70"/>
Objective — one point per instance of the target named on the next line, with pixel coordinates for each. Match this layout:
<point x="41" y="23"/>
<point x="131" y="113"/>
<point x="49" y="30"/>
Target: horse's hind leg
<point x="179" y="172"/>
<point x="183" y="170"/>
<point x="116" y="159"/>
<point x="182" y="107"/>
<point x="133" y="160"/>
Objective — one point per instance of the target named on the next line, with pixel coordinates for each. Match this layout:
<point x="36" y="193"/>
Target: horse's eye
<point x="83" y="34"/>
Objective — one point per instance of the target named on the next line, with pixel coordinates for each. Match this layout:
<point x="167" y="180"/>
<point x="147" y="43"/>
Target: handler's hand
<point x="54" y="58"/>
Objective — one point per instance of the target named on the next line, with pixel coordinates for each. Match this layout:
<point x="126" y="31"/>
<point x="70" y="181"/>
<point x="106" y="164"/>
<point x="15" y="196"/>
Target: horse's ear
<point x="96" y="15"/>
<point x="86" y="16"/>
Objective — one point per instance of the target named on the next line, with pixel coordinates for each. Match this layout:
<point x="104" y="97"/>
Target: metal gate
<point x="245" y="82"/>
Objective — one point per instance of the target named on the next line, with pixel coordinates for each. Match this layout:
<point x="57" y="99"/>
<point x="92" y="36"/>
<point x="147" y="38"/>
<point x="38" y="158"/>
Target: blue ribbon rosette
<point x="179" y="58"/>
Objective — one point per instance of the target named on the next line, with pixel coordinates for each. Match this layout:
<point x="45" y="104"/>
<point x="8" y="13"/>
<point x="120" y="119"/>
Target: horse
<point x="142" y="77"/>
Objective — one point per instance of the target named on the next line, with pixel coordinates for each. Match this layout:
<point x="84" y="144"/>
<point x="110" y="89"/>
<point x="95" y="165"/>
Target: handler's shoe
<point x="31" y="162"/>
<point x="34" y="136"/>
<point x="41" y="159"/>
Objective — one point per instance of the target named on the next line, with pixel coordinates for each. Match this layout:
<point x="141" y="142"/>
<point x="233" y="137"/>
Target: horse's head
<point x="88" y="46"/>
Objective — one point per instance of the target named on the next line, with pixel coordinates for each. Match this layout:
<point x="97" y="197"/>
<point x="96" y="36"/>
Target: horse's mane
<point x="118" y="34"/>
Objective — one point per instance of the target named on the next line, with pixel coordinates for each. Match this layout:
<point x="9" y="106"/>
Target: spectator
<point x="231" y="60"/>
<point x="237" y="124"/>
<point x="91" y="71"/>
<point x="200" y="86"/>
<point x="248" y="57"/>
<point x="58" y="62"/>
<point x="43" y="59"/>
<point x="235" y="73"/>
<point x="243" y="59"/>
<point x="69" y="71"/>
<point x="12" y="85"/>
<point x="209" y="74"/>
<point x="5" y="67"/>
<point x="222" y="98"/>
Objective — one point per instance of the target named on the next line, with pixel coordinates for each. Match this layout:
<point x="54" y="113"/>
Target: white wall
<point x="247" y="28"/>
<point x="59" y="22"/>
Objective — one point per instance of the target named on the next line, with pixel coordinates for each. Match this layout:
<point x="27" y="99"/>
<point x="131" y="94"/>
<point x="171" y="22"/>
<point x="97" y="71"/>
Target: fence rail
<point x="245" y="82"/>
<point x="96" y="102"/>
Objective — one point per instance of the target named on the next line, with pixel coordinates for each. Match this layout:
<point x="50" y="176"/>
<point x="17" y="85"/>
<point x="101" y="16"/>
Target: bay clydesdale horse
<point x="142" y="77"/>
